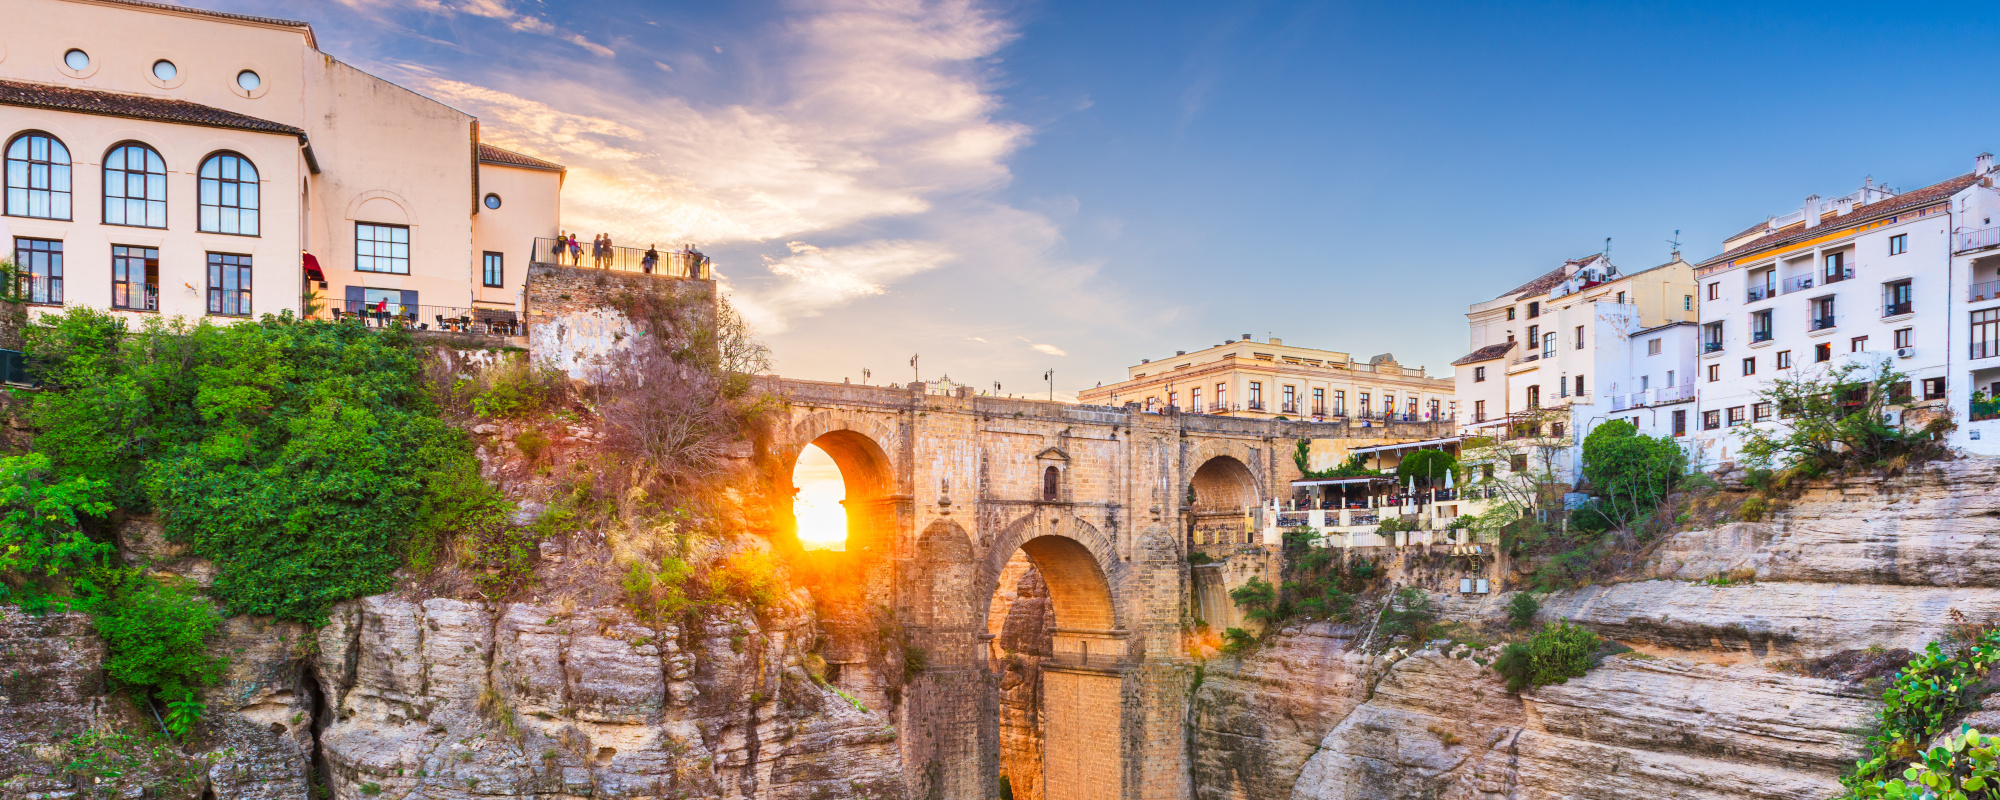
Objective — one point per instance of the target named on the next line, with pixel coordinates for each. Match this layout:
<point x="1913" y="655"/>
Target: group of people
<point x="602" y="255"/>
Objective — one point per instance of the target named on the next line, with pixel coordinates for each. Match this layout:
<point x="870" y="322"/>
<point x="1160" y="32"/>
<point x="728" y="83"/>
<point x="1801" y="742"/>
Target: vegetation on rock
<point x="1558" y="652"/>
<point x="1918" y="704"/>
<point x="1835" y="419"/>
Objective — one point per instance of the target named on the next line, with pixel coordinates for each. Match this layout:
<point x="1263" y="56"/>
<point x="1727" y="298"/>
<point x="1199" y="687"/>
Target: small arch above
<point x="390" y="207"/>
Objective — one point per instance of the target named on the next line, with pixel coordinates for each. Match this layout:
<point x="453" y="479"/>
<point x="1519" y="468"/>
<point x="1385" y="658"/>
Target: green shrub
<point x="1410" y="612"/>
<point x="1752" y="509"/>
<point x="1521" y="610"/>
<point x="1236" y="640"/>
<point x="41" y="519"/>
<point x="660" y="595"/>
<point x="514" y="388"/>
<point x="1258" y="599"/>
<point x="1962" y="767"/>
<point x="1006" y="788"/>
<point x="532" y="443"/>
<point x="1935" y="688"/>
<point x="915" y="662"/>
<point x="752" y="577"/>
<point x="155" y="636"/>
<point x="1558" y="652"/>
<point x="1630" y="472"/>
<point x="297" y="456"/>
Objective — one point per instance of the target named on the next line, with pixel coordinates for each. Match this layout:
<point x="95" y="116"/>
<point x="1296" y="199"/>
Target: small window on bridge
<point x="1051" y="483"/>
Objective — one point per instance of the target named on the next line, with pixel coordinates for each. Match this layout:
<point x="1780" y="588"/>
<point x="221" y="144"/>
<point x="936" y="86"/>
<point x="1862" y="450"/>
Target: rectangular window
<point x="382" y="248"/>
<point x="1319" y="402"/>
<point x="1905" y="337"/>
<point x="1715" y="291"/>
<point x="1194" y="400"/>
<point x="1670" y="377"/>
<point x="1822" y="314"/>
<point x="494" y="269"/>
<point x="1534" y="336"/>
<point x="1291" y="400"/>
<point x="1174" y="400"/>
<point x="1579" y="337"/>
<point x="1478" y="411"/>
<point x="135" y="278"/>
<point x="1478" y="374"/>
<point x="1896" y="299"/>
<point x="1652" y="347"/>
<point x="1933" y="388"/>
<point x="1710" y="420"/>
<point x="1340" y="402"/>
<point x="1899" y="244"/>
<point x="1836" y="267"/>
<point x="1681" y="422"/>
<point x="1257" y="394"/>
<point x="1534" y="397"/>
<point x="1222" y="396"/>
<point x="1784" y="359"/>
<point x="40" y="262"/>
<point x="1711" y="337"/>
<point x="1510" y="312"/>
<point x="1750" y="366"/>
<point x="1579" y="386"/>
<point x="1735" y="416"/>
<point x="1760" y="326"/>
<point x="1621" y="298"/>
<point x="1857" y="344"/>
<point x="1760" y="412"/>
<point x="1687" y="302"/>
<point x="1364" y="403"/>
<point x="1645" y="382"/>
<point x="1388" y="405"/>
<point x="1986" y="333"/>
<point x="1822" y="352"/>
<point x="1714" y="372"/>
<point x="1534" y="310"/>
<point x="1151" y="404"/>
<point x="1434" y="410"/>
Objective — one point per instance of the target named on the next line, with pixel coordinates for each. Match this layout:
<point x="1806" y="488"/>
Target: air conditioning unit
<point x="1906" y="352"/>
<point x="1892" y="418"/>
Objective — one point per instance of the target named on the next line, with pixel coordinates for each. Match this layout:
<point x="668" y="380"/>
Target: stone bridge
<point x="946" y="494"/>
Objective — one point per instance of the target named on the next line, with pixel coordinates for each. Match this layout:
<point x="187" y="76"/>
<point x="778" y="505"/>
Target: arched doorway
<point x="1223" y="496"/>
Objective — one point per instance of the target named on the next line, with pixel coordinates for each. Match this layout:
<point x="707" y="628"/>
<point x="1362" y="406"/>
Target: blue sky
<point x="1012" y="187"/>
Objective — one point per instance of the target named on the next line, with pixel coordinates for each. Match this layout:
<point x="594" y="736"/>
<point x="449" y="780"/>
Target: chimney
<point x="1812" y="211"/>
<point x="1843" y="206"/>
<point x="1145" y="361"/>
<point x="1982" y="164"/>
<point x="1276" y="340"/>
<point x="1246" y="337"/>
<point x="1180" y="352"/>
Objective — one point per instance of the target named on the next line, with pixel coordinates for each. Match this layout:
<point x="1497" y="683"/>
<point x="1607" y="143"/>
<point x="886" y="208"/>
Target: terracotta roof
<point x="495" y="155"/>
<point x="1487" y="353"/>
<point x="202" y="12"/>
<point x="1553" y="277"/>
<point x="1830" y="221"/>
<point x="133" y="106"/>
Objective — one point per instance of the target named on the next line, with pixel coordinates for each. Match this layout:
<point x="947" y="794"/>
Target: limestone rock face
<point x="1257" y="721"/>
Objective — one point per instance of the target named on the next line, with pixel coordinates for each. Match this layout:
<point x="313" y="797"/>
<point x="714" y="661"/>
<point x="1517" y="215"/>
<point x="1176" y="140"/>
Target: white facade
<point x="1849" y="281"/>
<point x="1657" y="391"/>
<point x="340" y="164"/>
<point x="1975" y="316"/>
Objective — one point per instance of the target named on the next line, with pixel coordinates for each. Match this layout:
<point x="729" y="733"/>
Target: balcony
<point x="1896" y="309"/>
<point x="1757" y="293"/>
<point x="1987" y="290"/>
<point x="1985" y="349"/>
<point x="1976" y="240"/>
<point x="1674" y="394"/>
<point x="447" y="319"/>
<point x="1800" y="283"/>
<point x="1760" y="336"/>
<point x="1220" y="408"/>
<point x="1839" y="275"/>
<point x="1620" y="403"/>
<point x="1256" y="405"/>
<point x="1821" y="323"/>
<point x="686" y="263"/>
<point x="1711" y="347"/>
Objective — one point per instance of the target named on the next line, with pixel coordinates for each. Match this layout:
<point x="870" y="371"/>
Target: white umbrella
<point x="1447" y="479"/>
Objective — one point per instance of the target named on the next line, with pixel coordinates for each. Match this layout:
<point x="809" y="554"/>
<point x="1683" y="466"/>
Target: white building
<point x="1577" y="346"/>
<point x="168" y="160"/>
<point x="1975" y="318"/>
<point x="1863" y="278"/>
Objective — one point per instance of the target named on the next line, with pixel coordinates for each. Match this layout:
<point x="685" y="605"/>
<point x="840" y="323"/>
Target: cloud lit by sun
<point x="822" y="519"/>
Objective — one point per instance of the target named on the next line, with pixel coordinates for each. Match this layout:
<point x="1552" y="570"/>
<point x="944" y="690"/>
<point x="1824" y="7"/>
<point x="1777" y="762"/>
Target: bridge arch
<point x="862" y="449"/>
<point x="1221" y="489"/>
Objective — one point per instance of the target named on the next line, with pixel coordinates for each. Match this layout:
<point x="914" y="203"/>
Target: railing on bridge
<point x="682" y="263"/>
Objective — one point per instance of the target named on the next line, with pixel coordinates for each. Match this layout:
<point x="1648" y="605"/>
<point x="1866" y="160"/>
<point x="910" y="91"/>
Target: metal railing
<point x="1974" y="240"/>
<point x="1711" y="347"/>
<point x="1838" y="275"/>
<point x="1822" y="323"/>
<point x="1673" y="394"/>
<point x="1799" y="283"/>
<point x="1984" y="409"/>
<point x="1985" y="290"/>
<point x="1757" y="293"/>
<point x="1985" y="349"/>
<point x="1894" y="309"/>
<point x="1760" y="336"/>
<point x="684" y="263"/>
<point x="450" y="319"/>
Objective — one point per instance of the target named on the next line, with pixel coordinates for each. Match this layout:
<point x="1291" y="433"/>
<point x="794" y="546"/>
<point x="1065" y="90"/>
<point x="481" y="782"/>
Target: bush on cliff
<point x="1835" y="418"/>
<point x="297" y="456"/>
<point x="1920" y="702"/>
<point x="1558" y="652"/>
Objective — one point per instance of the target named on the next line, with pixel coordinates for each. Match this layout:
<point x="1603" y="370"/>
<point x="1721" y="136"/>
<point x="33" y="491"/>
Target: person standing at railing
<point x="597" y="250"/>
<point x="610" y="255"/>
<point x="651" y="260"/>
<point x="562" y="243"/>
<point x="575" y="252"/>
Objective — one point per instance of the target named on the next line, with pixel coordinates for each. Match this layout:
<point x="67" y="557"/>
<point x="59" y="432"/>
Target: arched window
<point x="1051" y="483"/>
<point x="37" y="176"/>
<point x="135" y="186"/>
<point x="228" y="187"/>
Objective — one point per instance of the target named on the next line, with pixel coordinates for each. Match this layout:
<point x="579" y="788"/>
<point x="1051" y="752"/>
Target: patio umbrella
<point x="1447" y="479"/>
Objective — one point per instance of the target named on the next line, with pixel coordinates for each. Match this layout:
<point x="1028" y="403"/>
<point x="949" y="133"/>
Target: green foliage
<point x="751" y="577"/>
<point x="122" y="765"/>
<point x="297" y="456"/>
<point x="1753" y="509"/>
<point x="1410" y="612"/>
<point x="532" y="443"/>
<point x="1236" y="640"/>
<point x="915" y="662"/>
<point x="155" y="635"/>
<point x="1962" y="767"/>
<point x="1006" y="788"/>
<point x="41" y="523"/>
<point x="1836" y="419"/>
<point x="659" y="595"/>
<point x="1426" y="465"/>
<point x="512" y="389"/>
<point x="1319" y="584"/>
<point x="1558" y="652"/>
<point x="1521" y="610"/>
<point x="1197" y="558"/>
<point x="1935" y="688"/>
<point x="1258" y="599"/>
<point x="1629" y="471"/>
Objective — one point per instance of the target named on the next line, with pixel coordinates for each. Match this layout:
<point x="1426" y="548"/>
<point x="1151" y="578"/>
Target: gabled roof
<point x="1554" y="277"/>
<point x="494" y="155"/>
<point x="202" y="12"/>
<point x="1487" y="353"/>
<point x="134" y="106"/>
<point x="1831" y="221"/>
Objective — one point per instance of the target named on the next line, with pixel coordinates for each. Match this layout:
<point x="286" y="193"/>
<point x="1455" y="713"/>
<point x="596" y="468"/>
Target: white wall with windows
<point x="1975" y="318"/>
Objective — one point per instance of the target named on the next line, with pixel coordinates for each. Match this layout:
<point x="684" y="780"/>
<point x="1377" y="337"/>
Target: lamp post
<point x="1050" y="376"/>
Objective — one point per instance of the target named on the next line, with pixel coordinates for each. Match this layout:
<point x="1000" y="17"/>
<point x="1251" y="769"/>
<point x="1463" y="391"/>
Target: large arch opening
<point x="839" y="484"/>
<point x="1222" y="496"/>
<point x="1056" y="651"/>
<point x="838" y="516"/>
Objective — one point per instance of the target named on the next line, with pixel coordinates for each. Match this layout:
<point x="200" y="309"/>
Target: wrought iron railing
<point x="1711" y="347"/>
<point x="1822" y="323"/>
<point x="1974" y="240"/>
<point x="1757" y="293"/>
<point x="1894" y="309"/>
<point x="1838" y="275"/>
<point x="451" y="319"/>
<point x="1760" y="336"/>
<point x="1799" y="283"/>
<point x="1984" y="290"/>
<point x="684" y="263"/>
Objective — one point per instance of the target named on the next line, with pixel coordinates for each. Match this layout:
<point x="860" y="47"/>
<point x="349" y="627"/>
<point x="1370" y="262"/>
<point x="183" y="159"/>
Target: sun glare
<point x="822" y="520"/>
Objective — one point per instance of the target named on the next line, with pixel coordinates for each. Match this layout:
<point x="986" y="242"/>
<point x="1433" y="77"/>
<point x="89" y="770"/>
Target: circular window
<point x="164" y="70"/>
<point x="77" y="60"/>
<point x="248" y="81"/>
<point x="493" y="201"/>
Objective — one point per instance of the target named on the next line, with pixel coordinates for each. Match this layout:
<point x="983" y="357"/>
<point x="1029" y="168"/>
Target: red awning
<point x="312" y="267"/>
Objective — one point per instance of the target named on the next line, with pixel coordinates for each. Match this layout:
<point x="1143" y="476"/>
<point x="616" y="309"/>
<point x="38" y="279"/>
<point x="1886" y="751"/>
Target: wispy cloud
<point x="499" y="10"/>
<point x="815" y="278"/>
<point x="1049" y="349"/>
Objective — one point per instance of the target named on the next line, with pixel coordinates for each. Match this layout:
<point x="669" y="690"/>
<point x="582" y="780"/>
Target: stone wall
<point x="575" y="315"/>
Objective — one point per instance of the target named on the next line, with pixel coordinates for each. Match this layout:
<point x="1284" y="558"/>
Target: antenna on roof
<point x="1607" y="248"/>
<point x="1676" y="241"/>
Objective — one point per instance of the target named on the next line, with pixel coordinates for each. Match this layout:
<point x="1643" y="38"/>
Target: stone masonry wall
<point x="573" y="312"/>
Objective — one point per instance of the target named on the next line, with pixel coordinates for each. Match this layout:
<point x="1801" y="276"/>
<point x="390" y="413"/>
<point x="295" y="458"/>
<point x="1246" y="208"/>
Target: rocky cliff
<point x="1717" y="699"/>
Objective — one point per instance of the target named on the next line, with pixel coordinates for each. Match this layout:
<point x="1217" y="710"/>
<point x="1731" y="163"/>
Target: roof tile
<point x="495" y="155"/>
<point x="133" y="106"/>
<point x="1487" y="353"/>
<point x="1829" y="221"/>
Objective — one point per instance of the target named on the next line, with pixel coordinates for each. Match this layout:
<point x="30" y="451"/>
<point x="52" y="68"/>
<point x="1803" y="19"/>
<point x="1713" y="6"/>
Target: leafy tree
<point x="1426" y="465"/>
<point x="1353" y="467"/>
<point x="1521" y="610"/>
<point x="155" y="634"/>
<point x="41" y="523"/>
<point x="1630" y="471"/>
<point x="1835" y="416"/>
<point x="1258" y="599"/>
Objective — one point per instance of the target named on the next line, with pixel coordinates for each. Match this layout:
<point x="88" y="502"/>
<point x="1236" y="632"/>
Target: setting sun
<point x="822" y="519"/>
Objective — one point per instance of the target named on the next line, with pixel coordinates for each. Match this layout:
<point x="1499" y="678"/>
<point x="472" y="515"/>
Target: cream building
<point x="1576" y="346"/>
<point x="1272" y="379"/>
<point x="168" y="160"/>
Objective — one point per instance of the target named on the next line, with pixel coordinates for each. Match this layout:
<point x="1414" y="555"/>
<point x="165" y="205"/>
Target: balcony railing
<point x="1822" y="323"/>
<point x="1711" y="347"/>
<point x="1838" y="275"/>
<point x="671" y="264"/>
<point x="450" y="319"/>
<point x="1800" y="283"/>
<point x="1985" y="349"/>
<point x="1975" y="240"/>
<point x="1674" y="394"/>
<point x="1986" y="290"/>
<point x="1620" y="402"/>
<point x="1896" y="309"/>
<point x="1256" y="405"/>
<point x="1758" y="293"/>
<point x="1760" y="336"/>
<point x="1984" y="408"/>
